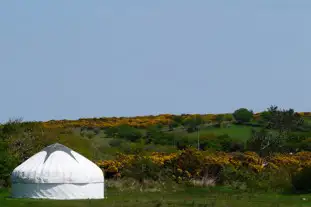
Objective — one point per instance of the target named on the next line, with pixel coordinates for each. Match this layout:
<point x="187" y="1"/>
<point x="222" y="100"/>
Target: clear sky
<point x="70" y="59"/>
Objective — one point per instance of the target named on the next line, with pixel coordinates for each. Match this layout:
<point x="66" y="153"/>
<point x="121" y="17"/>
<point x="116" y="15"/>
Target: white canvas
<point x="58" y="172"/>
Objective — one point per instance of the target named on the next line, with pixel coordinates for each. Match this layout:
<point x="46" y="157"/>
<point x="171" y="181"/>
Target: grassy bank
<point x="188" y="197"/>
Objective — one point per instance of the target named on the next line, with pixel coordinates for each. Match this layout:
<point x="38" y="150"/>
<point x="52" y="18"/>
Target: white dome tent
<point x="60" y="173"/>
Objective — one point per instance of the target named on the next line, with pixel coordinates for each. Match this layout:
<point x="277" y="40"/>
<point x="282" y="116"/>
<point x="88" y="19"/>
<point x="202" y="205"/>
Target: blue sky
<point x="71" y="59"/>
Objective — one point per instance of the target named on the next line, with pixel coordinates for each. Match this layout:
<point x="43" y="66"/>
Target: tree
<point x="192" y="123"/>
<point x="228" y="117"/>
<point x="219" y="119"/>
<point x="177" y="119"/>
<point x="129" y="133"/>
<point x="243" y="115"/>
<point x="282" y="120"/>
<point x="7" y="164"/>
<point x="264" y="142"/>
<point x="172" y="124"/>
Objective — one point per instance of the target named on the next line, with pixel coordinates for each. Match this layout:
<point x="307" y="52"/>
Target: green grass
<point x="308" y="120"/>
<point x="190" y="197"/>
<point x="235" y="131"/>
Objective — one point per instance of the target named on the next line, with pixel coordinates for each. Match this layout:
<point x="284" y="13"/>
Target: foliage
<point x="142" y="169"/>
<point x="265" y="142"/>
<point x="243" y="115"/>
<point x="220" y="143"/>
<point x="7" y="164"/>
<point x="301" y="181"/>
<point x="219" y="119"/>
<point x="125" y="132"/>
<point x="221" y="156"/>
<point x="282" y="120"/>
<point x="153" y="135"/>
<point x="236" y="169"/>
<point x="192" y="123"/>
<point x="228" y="117"/>
<point x="116" y="142"/>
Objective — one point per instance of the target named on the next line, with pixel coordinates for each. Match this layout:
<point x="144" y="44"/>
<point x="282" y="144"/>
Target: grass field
<point x="235" y="131"/>
<point x="190" y="197"/>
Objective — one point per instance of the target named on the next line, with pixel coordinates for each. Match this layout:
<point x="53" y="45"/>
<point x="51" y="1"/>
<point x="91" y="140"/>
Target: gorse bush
<point x="279" y="172"/>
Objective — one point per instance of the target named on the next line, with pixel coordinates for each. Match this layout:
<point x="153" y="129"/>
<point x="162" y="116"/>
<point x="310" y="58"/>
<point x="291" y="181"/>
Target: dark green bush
<point x="301" y="181"/>
<point x="243" y="115"/>
<point x="116" y="142"/>
<point x="125" y="132"/>
<point x="220" y="143"/>
<point x="7" y="164"/>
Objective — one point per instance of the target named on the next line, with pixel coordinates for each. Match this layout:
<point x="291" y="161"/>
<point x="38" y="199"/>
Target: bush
<point x="192" y="123"/>
<point x="7" y="164"/>
<point x="246" y="179"/>
<point x="142" y="169"/>
<point x="301" y="181"/>
<point x="124" y="132"/>
<point x="163" y="138"/>
<point x="182" y="143"/>
<point x="243" y="115"/>
<point x="220" y="143"/>
<point x="228" y="117"/>
<point x="210" y="141"/>
<point x="231" y="145"/>
<point x="265" y="142"/>
<point x="115" y="142"/>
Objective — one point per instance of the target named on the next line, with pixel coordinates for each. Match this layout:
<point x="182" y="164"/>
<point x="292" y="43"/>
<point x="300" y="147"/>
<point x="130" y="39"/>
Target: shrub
<point x="182" y="143"/>
<point x="231" y="145"/>
<point x="301" y="181"/>
<point x="143" y="169"/>
<point x="192" y="123"/>
<point x="264" y="142"/>
<point x="219" y="120"/>
<point x="220" y="143"/>
<point x="124" y="132"/>
<point x="7" y="164"/>
<point x="210" y="141"/>
<point x="305" y="145"/>
<point x="228" y="117"/>
<point x="163" y="138"/>
<point x="245" y="179"/>
<point x="96" y="130"/>
<point x="243" y="115"/>
<point x="116" y="142"/>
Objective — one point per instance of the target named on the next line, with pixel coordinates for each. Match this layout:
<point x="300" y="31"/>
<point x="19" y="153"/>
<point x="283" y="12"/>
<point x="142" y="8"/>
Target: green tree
<point x="264" y="142"/>
<point x="282" y="120"/>
<point x="172" y="125"/>
<point x="192" y="123"/>
<point x="7" y="164"/>
<point x="220" y="118"/>
<point x="129" y="133"/>
<point x="243" y="115"/>
<point x="228" y="117"/>
<point x="178" y="119"/>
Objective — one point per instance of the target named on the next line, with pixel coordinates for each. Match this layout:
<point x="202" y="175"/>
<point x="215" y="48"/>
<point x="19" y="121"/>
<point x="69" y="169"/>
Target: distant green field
<point x="235" y="131"/>
<point x="191" y="197"/>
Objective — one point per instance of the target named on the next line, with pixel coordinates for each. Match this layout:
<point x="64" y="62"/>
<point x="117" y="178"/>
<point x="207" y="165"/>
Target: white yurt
<point x="60" y="173"/>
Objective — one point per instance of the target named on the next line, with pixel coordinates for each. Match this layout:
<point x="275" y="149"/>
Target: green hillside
<point x="228" y="150"/>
